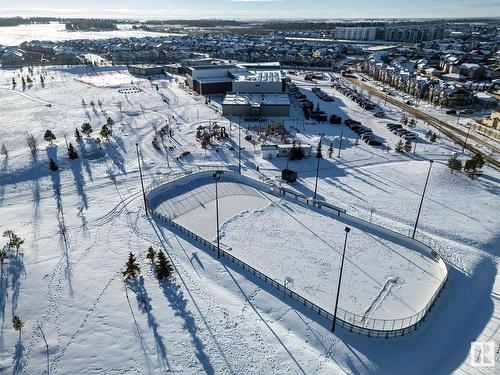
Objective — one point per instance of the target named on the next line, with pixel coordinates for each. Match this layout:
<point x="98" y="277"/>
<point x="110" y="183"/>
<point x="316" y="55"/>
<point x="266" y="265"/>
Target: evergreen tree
<point x="53" y="165"/>
<point x="319" y="154"/>
<point x="407" y="147"/>
<point x="296" y="153"/>
<point x="18" y="324"/>
<point x="473" y="166"/>
<point x="110" y="122"/>
<point x="454" y="163"/>
<point x="4" y="151"/>
<point x="428" y="134"/>
<point x="132" y="268"/>
<point x="164" y="269"/>
<point x="330" y="150"/>
<point x="87" y="129"/>
<point x="72" y="153"/>
<point x="433" y="137"/>
<point x="106" y="132"/>
<point x="98" y="141"/>
<point x="13" y="240"/>
<point x="400" y="147"/>
<point x="3" y="258"/>
<point x="151" y="254"/>
<point x="49" y="136"/>
<point x="78" y="136"/>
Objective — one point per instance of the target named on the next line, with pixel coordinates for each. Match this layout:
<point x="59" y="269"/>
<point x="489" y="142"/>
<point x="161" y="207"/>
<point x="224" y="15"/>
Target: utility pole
<point x="142" y="182"/>
<point x="422" y="200"/>
<point x="347" y="230"/>
<point x="239" y="148"/>
<point x="216" y="177"/>
<point x="466" y="139"/>
<point x="318" y="156"/>
<point x="341" y="136"/>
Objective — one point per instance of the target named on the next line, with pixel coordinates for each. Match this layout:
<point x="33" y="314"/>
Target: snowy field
<point x="80" y="223"/>
<point x="15" y="35"/>
<point x="382" y="279"/>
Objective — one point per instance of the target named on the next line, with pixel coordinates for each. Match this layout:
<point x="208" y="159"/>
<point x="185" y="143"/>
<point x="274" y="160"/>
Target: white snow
<point x="212" y="318"/>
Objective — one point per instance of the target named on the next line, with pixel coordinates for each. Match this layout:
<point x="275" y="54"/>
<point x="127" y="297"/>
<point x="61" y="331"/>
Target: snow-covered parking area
<point x="382" y="279"/>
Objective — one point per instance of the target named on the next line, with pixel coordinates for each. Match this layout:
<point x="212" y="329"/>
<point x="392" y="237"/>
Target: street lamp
<point x="466" y="138"/>
<point x="318" y="156"/>
<point x="216" y="177"/>
<point x="347" y="230"/>
<point x="341" y="136"/>
<point x="422" y="200"/>
<point x="239" y="148"/>
<point x="142" y="182"/>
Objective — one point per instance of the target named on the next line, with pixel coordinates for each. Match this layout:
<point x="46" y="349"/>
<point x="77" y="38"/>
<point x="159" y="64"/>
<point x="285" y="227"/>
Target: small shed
<point x="288" y="175"/>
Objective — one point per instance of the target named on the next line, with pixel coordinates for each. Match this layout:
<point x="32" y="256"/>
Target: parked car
<point x="392" y="127"/>
<point x="409" y="136"/>
<point x="468" y="111"/>
<point x="367" y="136"/>
<point x="374" y="142"/>
<point x="451" y="112"/>
<point x="350" y="122"/>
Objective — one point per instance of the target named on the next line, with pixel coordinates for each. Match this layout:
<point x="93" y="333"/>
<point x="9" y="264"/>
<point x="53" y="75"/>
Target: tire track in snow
<point x="382" y="294"/>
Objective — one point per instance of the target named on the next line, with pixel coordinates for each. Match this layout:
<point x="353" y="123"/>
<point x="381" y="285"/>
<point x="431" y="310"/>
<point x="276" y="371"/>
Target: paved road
<point x="453" y="132"/>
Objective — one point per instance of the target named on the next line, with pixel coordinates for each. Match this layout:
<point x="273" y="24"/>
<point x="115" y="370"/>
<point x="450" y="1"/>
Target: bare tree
<point x="4" y="151"/>
<point x="32" y="144"/>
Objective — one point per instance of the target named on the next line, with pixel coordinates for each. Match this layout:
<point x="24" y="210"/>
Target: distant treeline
<point x="16" y="21"/>
<point x="91" y="24"/>
<point x="197" y="23"/>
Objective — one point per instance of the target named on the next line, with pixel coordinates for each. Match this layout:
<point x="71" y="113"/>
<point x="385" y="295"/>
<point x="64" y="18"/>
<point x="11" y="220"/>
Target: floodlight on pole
<point x="347" y="230"/>
<point x="216" y="177"/>
<point x="142" y="181"/>
<point x="422" y="199"/>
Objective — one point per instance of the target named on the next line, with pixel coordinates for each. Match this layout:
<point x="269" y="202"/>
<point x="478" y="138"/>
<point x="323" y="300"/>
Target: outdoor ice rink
<point x="281" y="238"/>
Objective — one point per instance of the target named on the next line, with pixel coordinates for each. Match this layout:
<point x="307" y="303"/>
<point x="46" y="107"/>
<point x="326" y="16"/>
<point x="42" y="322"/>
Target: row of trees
<point x="32" y="143"/>
<point x="163" y="268"/>
<point x="472" y="166"/>
<point x="14" y="242"/>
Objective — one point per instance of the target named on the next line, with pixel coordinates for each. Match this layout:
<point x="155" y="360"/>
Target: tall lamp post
<point x="422" y="199"/>
<point x="239" y="148"/>
<point x="318" y="156"/>
<point x="216" y="177"/>
<point x="341" y="136"/>
<point x="466" y="138"/>
<point x="142" y="182"/>
<point x="347" y="230"/>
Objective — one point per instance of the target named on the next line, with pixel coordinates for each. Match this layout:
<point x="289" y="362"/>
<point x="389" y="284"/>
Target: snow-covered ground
<point x="80" y="223"/>
<point x="382" y="279"/>
<point x="15" y="35"/>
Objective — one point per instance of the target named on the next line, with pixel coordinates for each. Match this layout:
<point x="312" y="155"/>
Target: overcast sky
<point x="253" y="8"/>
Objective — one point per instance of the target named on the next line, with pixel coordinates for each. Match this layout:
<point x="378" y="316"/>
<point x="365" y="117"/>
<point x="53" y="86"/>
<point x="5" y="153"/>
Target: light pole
<point x="239" y="148"/>
<point x="142" y="182"/>
<point x="466" y="139"/>
<point x="347" y="230"/>
<point x="341" y="136"/>
<point x="422" y="200"/>
<point x="318" y="156"/>
<point x="216" y="177"/>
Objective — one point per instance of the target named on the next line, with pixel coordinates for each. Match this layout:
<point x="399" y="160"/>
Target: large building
<point x="146" y="70"/>
<point x="259" y="82"/>
<point x="256" y="105"/>
<point x="211" y="79"/>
